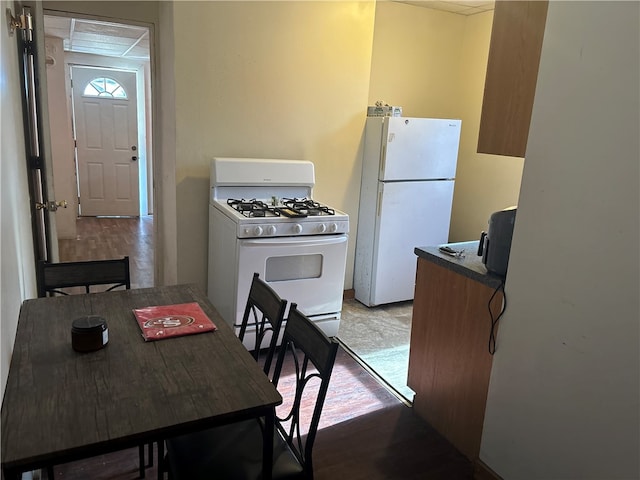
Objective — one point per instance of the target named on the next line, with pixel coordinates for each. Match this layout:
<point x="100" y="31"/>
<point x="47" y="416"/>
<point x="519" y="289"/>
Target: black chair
<point x="264" y="312"/>
<point x="235" y="451"/>
<point x="64" y="278"/>
<point x="59" y="277"/>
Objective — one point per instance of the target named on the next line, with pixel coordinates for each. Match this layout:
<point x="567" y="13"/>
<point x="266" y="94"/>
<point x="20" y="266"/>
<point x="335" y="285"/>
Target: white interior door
<point x="106" y="130"/>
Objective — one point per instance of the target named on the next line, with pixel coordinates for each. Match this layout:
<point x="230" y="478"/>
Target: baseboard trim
<point x="482" y="472"/>
<point x="349" y="294"/>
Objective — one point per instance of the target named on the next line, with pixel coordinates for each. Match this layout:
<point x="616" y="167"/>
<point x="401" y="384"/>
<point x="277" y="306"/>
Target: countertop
<point x="470" y="265"/>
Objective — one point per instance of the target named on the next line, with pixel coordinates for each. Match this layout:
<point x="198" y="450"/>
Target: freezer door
<point x="419" y="148"/>
<point x="412" y="214"/>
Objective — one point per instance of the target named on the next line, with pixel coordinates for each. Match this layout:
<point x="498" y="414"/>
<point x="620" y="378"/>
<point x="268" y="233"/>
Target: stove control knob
<point x="257" y="231"/>
<point x="333" y="227"/>
<point x="297" y="228"/>
<point x="271" y="230"/>
<point x="322" y="228"/>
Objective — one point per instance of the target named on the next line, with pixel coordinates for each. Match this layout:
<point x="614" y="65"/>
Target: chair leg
<point x="150" y="454"/>
<point x="141" y="460"/>
<point x="162" y="464"/>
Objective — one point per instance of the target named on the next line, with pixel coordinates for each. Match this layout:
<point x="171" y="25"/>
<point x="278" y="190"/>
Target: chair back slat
<point x="264" y="311"/>
<point x="53" y="277"/>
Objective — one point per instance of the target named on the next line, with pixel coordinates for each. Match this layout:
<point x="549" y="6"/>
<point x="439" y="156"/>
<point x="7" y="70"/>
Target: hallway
<point x="103" y="238"/>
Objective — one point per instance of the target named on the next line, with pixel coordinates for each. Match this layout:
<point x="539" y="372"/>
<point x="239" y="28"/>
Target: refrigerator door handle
<point x="383" y="162"/>
<point x="379" y="207"/>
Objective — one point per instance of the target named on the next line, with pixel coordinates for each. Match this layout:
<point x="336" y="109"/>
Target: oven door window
<point x="293" y="267"/>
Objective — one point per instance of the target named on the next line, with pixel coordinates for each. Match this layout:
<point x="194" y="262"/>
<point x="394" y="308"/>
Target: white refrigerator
<point x="408" y="172"/>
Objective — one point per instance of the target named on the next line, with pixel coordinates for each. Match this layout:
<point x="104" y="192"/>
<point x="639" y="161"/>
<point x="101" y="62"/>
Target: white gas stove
<point x="262" y="218"/>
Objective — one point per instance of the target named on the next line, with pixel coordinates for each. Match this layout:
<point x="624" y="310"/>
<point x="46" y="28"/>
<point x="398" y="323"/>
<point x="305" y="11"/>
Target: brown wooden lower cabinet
<point x="449" y="361"/>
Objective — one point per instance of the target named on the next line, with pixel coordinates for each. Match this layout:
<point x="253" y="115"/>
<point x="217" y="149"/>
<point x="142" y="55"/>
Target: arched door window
<point x="104" y="87"/>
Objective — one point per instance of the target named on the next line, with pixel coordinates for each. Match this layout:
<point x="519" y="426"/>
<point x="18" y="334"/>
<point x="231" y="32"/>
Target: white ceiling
<point x="132" y="42"/>
<point x="99" y="38"/>
<point x="461" y="7"/>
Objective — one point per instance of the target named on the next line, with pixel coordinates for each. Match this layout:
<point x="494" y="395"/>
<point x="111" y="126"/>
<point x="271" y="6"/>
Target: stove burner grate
<point x="307" y="206"/>
<point x="252" y="208"/>
<point x="291" y="207"/>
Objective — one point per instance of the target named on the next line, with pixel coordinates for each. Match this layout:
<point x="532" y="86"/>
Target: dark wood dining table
<point x="60" y="405"/>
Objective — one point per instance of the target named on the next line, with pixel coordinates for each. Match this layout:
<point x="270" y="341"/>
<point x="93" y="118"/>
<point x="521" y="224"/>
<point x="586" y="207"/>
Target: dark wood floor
<point x="365" y="431"/>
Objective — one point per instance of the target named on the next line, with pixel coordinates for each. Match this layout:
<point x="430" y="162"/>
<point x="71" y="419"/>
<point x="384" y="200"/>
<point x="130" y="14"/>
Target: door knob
<point x="134" y="158"/>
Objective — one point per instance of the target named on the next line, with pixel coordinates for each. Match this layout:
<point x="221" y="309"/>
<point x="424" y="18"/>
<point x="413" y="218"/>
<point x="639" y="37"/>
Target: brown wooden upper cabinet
<point x="512" y="72"/>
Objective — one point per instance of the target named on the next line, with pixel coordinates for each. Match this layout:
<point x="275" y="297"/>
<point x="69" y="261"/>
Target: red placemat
<point x="166" y="321"/>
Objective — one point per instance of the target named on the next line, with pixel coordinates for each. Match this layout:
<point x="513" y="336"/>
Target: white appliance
<point x="408" y="172"/>
<point x="262" y="218"/>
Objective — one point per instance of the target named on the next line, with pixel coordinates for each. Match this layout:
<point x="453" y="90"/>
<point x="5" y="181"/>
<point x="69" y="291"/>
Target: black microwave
<point x="495" y="243"/>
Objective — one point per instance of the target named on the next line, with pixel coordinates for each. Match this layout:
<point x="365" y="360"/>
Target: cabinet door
<point x="512" y="72"/>
<point x="449" y="359"/>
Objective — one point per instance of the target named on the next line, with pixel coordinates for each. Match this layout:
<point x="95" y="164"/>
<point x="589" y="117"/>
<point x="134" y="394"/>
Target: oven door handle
<point x="303" y="241"/>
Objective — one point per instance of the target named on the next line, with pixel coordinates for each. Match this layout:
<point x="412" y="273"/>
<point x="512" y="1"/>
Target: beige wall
<point x="268" y="79"/>
<point x="416" y="60"/>
<point x="564" y="398"/>
<point x="17" y="265"/>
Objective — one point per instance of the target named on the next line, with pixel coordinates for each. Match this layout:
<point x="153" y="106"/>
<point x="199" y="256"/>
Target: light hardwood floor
<point x="103" y="238"/>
